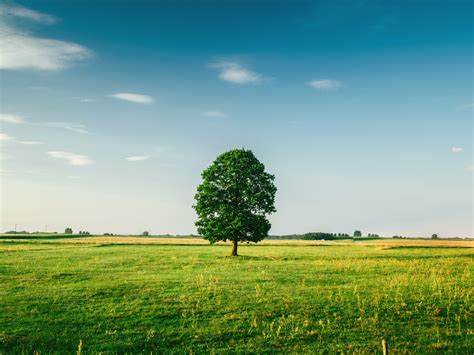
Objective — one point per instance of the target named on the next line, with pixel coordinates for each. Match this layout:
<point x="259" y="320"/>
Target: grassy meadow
<point x="134" y="294"/>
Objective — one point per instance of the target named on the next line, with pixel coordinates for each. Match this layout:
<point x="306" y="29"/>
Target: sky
<point x="363" y="110"/>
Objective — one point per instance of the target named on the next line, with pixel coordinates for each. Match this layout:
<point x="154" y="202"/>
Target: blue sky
<point x="363" y="110"/>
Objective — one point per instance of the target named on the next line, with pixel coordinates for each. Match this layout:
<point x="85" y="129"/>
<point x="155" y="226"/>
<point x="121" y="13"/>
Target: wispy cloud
<point x="215" y="113"/>
<point x="137" y="158"/>
<point x="235" y="73"/>
<point x="456" y="149"/>
<point x="77" y="128"/>
<point x="71" y="158"/>
<point x="14" y="10"/>
<point x="5" y="138"/>
<point x="21" y="50"/>
<point x="11" y="118"/>
<point x="326" y="84"/>
<point x="30" y="142"/>
<point x="85" y="99"/>
<point x="132" y="97"/>
<point x="17" y="119"/>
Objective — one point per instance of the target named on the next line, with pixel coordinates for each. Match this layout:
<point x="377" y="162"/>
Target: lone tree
<point x="68" y="231"/>
<point x="234" y="198"/>
<point x="357" y="233"/>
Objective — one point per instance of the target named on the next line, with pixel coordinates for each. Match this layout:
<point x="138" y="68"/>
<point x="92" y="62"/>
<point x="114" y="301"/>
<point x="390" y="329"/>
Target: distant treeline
<point x="312" y="236"/>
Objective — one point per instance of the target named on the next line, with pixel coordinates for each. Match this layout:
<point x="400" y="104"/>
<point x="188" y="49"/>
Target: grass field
<point x="131" y="294"/>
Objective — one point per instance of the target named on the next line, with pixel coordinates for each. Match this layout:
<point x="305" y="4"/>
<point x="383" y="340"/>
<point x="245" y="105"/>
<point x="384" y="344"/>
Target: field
<point x="129" y="294"/>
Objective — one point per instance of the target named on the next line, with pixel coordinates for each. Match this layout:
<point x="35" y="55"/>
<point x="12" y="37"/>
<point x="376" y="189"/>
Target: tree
<point x="434" y="236"/>
<point x="145" y="233"/>
<point x="357" y="234"/>
<point x="68" y="231"/>
<point x="234" y="199"/>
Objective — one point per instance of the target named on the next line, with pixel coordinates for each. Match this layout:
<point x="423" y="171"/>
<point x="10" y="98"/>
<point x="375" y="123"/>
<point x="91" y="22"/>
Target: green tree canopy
<point x="234" y="199"/>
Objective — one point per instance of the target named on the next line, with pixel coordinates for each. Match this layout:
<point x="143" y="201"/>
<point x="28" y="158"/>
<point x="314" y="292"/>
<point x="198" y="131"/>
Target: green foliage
<point x="341" y="298"/>
<point x="68" y="231"/>
<point x="319" y="236"/>
<point x="312" y="236"/>
<point x="234" y="198"/>
<point x="357" y="233"/>
<point x="434" y="236"/>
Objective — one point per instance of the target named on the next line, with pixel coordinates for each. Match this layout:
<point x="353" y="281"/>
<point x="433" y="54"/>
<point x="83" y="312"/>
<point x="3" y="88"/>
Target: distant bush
<point x="434" y="236"/>
<point x="357" y="233"/>
<point x="318" y="236"/>
<point x="312" y="236"/>
<point x="68" y="231"/>
<point x="145" y="233"/>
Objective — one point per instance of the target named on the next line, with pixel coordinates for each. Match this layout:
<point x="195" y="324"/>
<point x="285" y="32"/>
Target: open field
<point x="118" y="294"/>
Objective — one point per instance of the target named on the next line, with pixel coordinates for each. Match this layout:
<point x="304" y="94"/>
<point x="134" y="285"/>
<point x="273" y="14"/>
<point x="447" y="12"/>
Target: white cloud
<point x="16" y="119"/>
<point x="23" y="12"/>
<point x="234" y="73"/>
<point x="85" y="99"/>
<point x="137" y="158"/>
<point x="131" y="97"/>
<point x="30" y="142"/>
<point x="5" y="138"/>
<point x="11" y="118"/>
<point x="216" y="113"/>
<point x="77" y="128"/>
<point x="326" y="84"/>
<point x="72" y="158"/>
<point x="22" y="50"/>
<point x="456" y="149"/>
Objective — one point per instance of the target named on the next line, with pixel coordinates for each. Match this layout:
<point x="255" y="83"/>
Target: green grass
<point x="179" y="298"/>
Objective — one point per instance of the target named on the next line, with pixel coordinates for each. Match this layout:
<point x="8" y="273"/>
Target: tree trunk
<point x="234" y="248"/>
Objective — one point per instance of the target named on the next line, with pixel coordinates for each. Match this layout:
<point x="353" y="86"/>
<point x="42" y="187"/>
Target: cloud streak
<point x="76" y="128"/>
<point x="71" y="158"/>
<point x="5" y="138"/>
<point x="13" y="10"/>
<point x="137" y="158"/>
<point x="234" y="73"/>
<point x="216" y="114"/>
<point x="23" y="51"/>
<point x="11" y="118"/>
<point x="325" y="84"/>
<point x="456" y="149"/>
<point x="133" y="97"/>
